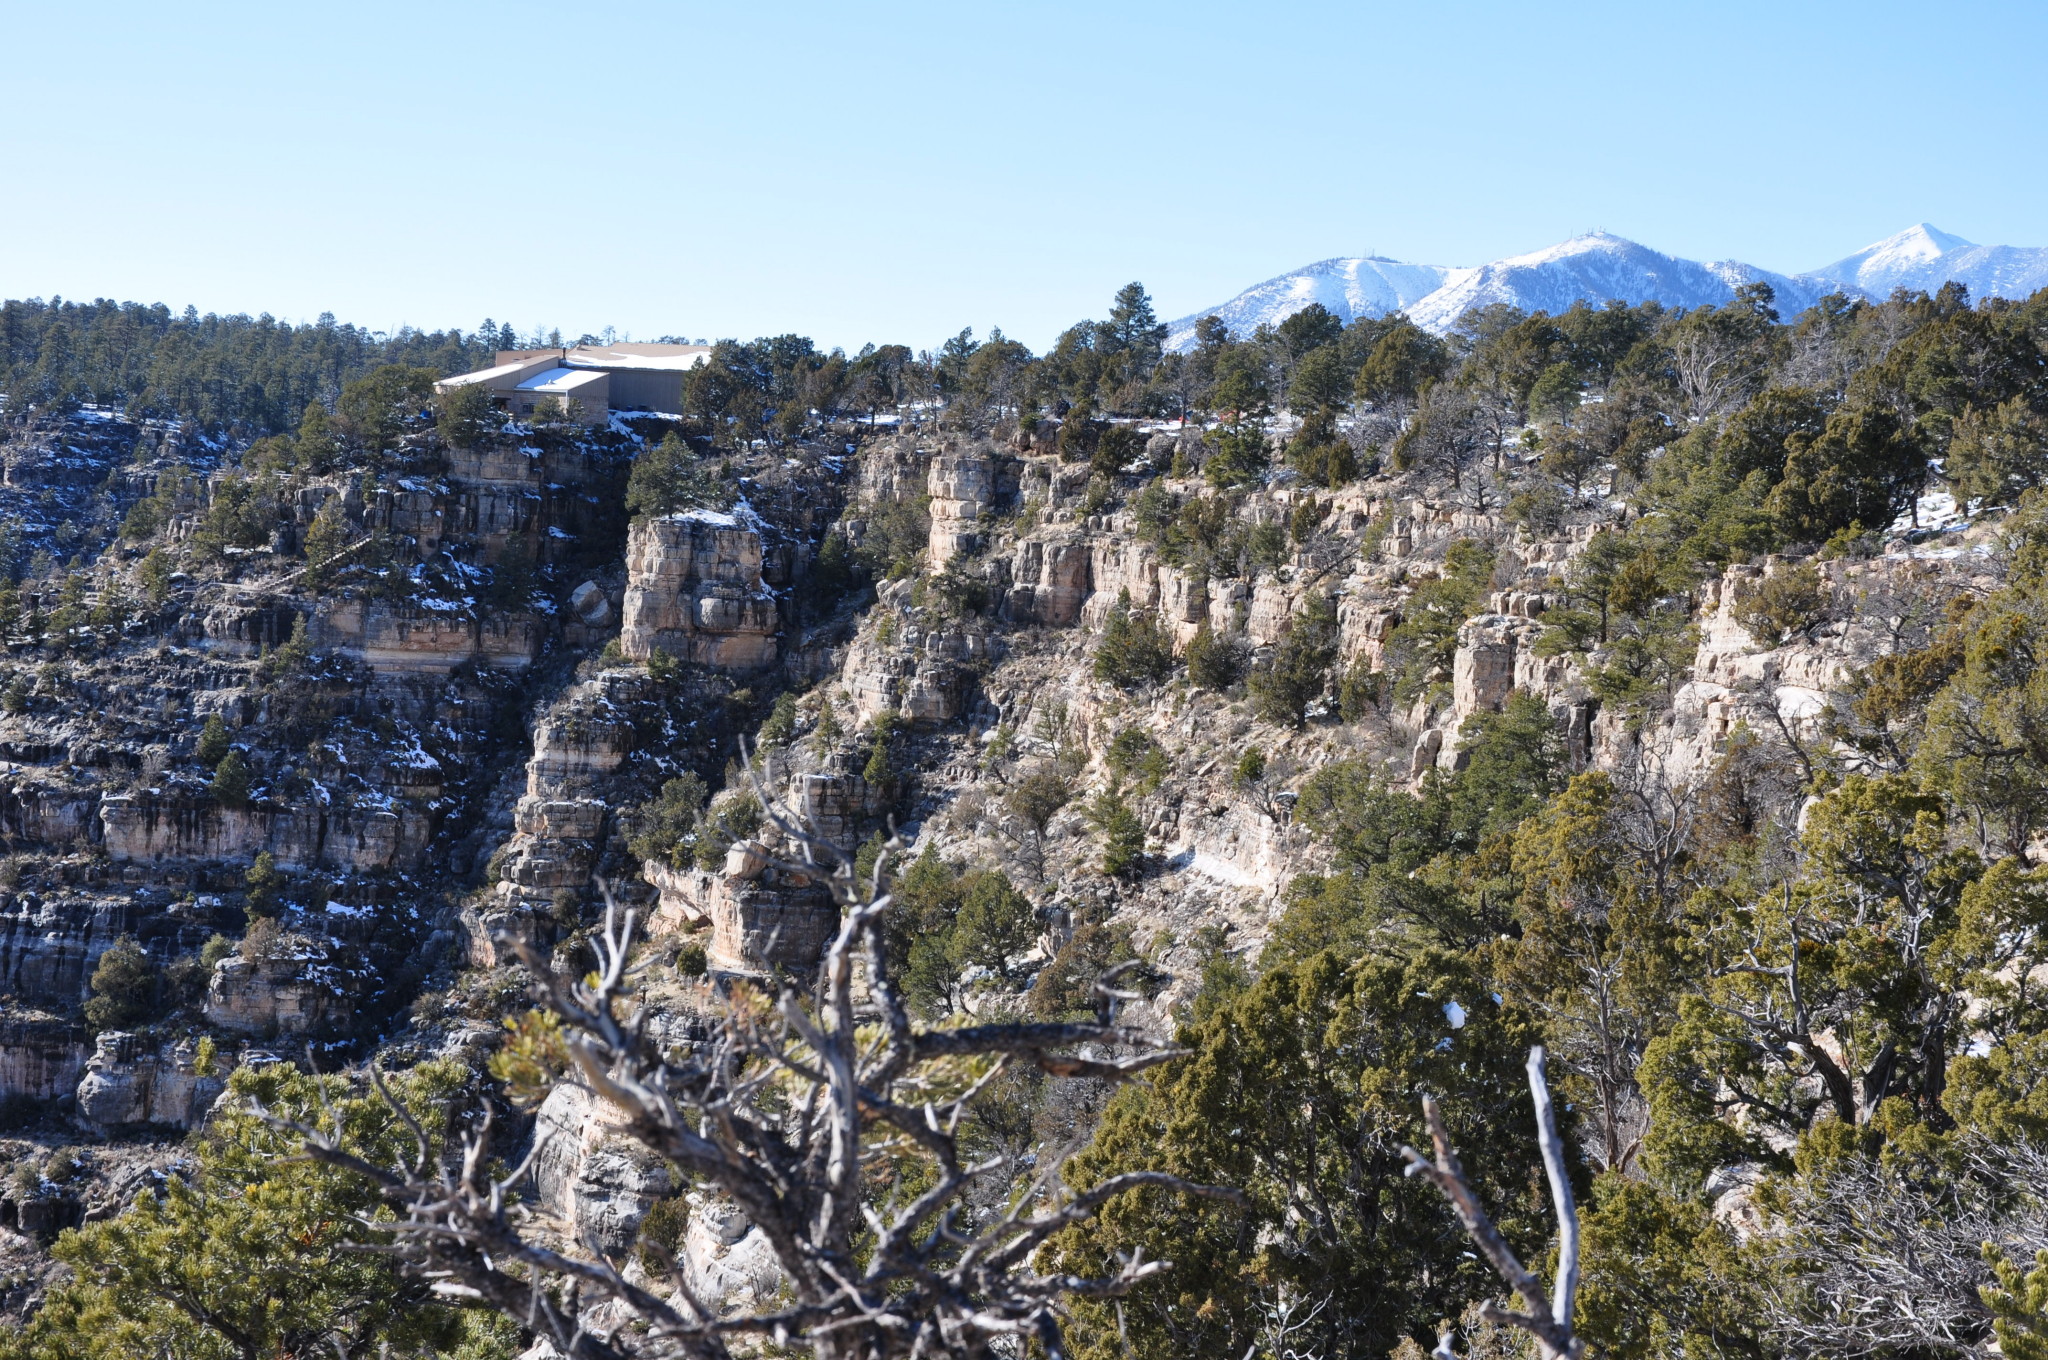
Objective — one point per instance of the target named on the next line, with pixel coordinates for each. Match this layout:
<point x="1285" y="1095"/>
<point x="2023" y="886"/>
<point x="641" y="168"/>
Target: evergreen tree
<point x="1299" y="672"/>
<point x="266" y="884"/>
<point x="315" y="449"/>
<point x="1404" y="361"/>
<point x="123" y="987"/>
<point x="1994" y="456"/>
<point x="326" y="544"/>
<point x="231" y="779"/>
<point x="1313" y="328"/>
<point x="253" y="1251"/>
<point x="663" y="829"/>
<point x="1135" y="649"/>
<point x="465" y="417"/>
<point x="1216" y="661"/>
<point x="1348" y="1053"/>
<point x="670" y="477"/>
<point x="1123" y="835"/>
<point x="1864" y="468"/>
<point x="1035" y="800"/>
<point x="1320" y="381"/>
<point x="996" y="924"/>
<point x="1556" y="393"/>
<point x="213" y="743"/>
<point x="155" y="573"/>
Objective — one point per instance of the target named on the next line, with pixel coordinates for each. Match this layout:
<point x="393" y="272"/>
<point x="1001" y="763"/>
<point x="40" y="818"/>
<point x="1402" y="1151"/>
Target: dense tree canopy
<point x="257" y="374"/>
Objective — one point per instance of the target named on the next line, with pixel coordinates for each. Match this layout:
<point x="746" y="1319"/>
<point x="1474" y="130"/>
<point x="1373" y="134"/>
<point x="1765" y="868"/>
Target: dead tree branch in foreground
<point x="829" y="1118"/>
<point x="1548" y="1320"/>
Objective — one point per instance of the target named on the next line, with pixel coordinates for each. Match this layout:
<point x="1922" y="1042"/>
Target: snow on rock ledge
<point x="694" y="590"/>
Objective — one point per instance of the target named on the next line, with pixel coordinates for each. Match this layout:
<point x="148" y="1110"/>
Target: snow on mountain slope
<point x="1351" y="288"/>
<point x="1593" y="268"/>
<point x="1924" y="257"/>
<point x="1598" y="266"/>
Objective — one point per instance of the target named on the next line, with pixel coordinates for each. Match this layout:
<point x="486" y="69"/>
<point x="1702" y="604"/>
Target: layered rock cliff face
<point x="446" y="751"/>
<point x="713" y="602"/>
<point x="985" y="663"/>
<point x="378" y="698"/>
<point x="128" y="1082"/>
<point x="694" y="591"/>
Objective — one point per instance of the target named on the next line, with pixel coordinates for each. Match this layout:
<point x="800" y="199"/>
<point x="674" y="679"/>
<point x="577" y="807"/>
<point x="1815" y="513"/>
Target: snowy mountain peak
<point x="1598" y="266"/>
<point x="1922" y="241"/>
<point x="1916" y="246"/>
<point x="1583" y="244"/>
<point x="1923" y="257"/>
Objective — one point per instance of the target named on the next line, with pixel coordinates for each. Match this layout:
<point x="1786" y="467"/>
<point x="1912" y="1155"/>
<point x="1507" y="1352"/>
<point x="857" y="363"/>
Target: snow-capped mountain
<point x="1595" y="267"/>
<point x="1351" y="288"/>
<point x="1924" y="257"/>
<point x="1599" y="266"/>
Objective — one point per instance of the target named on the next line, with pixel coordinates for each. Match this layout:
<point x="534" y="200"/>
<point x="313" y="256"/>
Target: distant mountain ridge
<point x="1598" y="266"/>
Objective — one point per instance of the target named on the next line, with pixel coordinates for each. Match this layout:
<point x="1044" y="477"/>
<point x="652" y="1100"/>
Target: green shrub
<point x="670" y="477"/>
<point x="123" y="987"/>
<point x="1421" y="646"/>
<point x="661" y="1232"/>
<point x="1240" y="457"/>
<point x="732" y="818"/>
<point x="1135" y="649"/>
<point x="266" y="885"/>
<point x="996" y="924"/>
<point x="1215" y="661"/>
<point x="663" y="828"/>
<point x="780" y="728"/>
<point x="1286" y="687"/>
<point x="897" y="534"/>
<point x="231" y="780"/>
<point x="1136" y="755"/>
<point x="1787" y="604"/>
<point x="1123" y="835"/>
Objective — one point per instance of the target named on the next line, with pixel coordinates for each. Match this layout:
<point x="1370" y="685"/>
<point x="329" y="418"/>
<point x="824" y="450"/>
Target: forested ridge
<point x="1790" y="989"/>
<point x="251" y="375"/>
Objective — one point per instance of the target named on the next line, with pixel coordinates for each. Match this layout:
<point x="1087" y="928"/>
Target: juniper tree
<point x="826" y="1115"/>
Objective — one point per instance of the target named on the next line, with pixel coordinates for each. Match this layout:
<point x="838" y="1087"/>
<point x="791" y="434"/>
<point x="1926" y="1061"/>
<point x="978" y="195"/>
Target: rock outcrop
<point x="694" y="590"/>
<point x="129" y="1081"/>
<point x="761" y="918"/>
<point x="597" y="1182"/>
<point x="41" y="1057"/>
<point x="296" y="987"/>
<point x="962" y="487"/>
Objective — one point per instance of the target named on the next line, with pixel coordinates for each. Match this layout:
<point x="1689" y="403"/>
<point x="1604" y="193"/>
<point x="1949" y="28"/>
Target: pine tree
<point x="326" y="542"/>
<point x="995" y="927"/>
<point x="231" y="780"/>
<point x="671" y="477"/>
<point x="155" y="572"/>
<point x="315" y="447"/>
<point x="1299" y="672"/>
<point x="254" y="1251"/>
<point x="1123" y="835"/>
<point x="266" y="884"/>
<point x="213" y="744"/>
<point x="1215" y="660"/>
<point x="1135" y="649"/>
<point x="123" y="987"/>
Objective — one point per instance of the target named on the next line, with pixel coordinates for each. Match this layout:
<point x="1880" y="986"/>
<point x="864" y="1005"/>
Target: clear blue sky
<point x="895" y="172"/>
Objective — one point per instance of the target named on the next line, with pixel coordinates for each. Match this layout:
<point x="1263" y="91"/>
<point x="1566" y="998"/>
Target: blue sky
<point x="897" y="172"/>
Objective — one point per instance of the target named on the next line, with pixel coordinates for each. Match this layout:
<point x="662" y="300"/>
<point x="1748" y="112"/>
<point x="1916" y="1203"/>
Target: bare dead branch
<point x="1550" y="1324"/>
<point x="788" y="1109"/>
